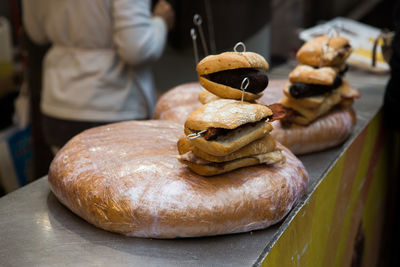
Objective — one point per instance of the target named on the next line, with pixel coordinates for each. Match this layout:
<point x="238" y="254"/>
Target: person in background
<point x="97" y="70"/>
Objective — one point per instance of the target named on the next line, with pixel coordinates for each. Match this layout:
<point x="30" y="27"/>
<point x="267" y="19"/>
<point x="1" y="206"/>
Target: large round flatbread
<point x="176" y="104"/>
<point x="125" y="178"/>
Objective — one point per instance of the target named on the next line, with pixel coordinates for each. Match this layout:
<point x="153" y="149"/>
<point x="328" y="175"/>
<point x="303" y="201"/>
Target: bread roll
<point x="307" y="115"/>
<point x="207" y="97"/>
<point x="229" y="61"/>
<point x="334" y="51"/>
<point x="310" y="75"/>
<point x="312" y="102"/>
<point x="244" y="122"/>
<point x="233" y="141"/>
<point x="227" y="92"/>
<point x="125" y="178"/>
<point x="226" y="113"/>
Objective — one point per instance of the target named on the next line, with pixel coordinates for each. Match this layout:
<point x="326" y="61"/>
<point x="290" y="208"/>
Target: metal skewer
<point x="197" y="20"/>
<point x="194" y="39"/>
<point x="195" y="135"/>
<point x="244" y="85"/>
<point x="239" y="44"/>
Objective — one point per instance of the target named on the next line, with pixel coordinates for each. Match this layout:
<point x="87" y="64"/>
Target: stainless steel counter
<point x="36" y="230"/>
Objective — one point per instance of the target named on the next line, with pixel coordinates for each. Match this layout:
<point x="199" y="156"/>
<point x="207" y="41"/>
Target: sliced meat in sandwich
<point x="223" y="74"/>
<point x="224" y="126"/>
<point x="312" y="92"/>
<point x="260" y="151"/>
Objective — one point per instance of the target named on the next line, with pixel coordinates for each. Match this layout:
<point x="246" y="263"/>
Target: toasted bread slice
<point x="206" y="168"/>
<point x="309" y="75"/>
<point x="231" y="60"/>
<point x="227" y="114"/>
<point x="207" y="97"/>
<point x="307" y="102"/>
<point x="346" y="102"/>
<point x="261" y="146"/>
<point x="325" y="51"/>
<point x="233" y="140"/>
<point x="227" y="92"/>
<point x="307" y="115"/>
<point x="346" y="91"/>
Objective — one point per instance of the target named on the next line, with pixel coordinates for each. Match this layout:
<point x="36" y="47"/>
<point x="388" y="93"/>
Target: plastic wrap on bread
<point x="176" y="104"/>
<point x="125" y="178"/>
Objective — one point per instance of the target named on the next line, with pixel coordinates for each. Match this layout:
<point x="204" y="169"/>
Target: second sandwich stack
<point x="317" y="85"/>
<point x="228" y="134"/>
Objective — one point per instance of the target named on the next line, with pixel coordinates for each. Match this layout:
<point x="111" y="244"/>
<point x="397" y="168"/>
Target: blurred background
<point x="270" y="28"/>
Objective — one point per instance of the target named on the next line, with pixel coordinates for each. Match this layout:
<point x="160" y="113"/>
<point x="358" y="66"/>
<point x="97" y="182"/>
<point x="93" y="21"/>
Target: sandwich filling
<point x="301" y="90"/>
<point x="268" y="158"/>
<point x="221" y="133"/>
<point x="258" y="79"/>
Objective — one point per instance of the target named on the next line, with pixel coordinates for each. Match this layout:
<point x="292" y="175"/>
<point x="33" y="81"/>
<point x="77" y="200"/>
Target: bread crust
<point x="207" y="97"/>
<point x="306" y="102"/>
<point x="327" y="131"/>
<point x="231" y="60"/>
<point x="227" y="92"/>
<point x="311" y="108"/>
<point x="228" y="61"/>
<point x="307" y="114"/>
<point x="125" y="178"/>
<point x="232" y="141"/>
<point x="212" y="169"/>
<point x="260" y="146"/>
<point x="226" y="113"/>
<point x="347" y="91"/>
<point x="309" y="75"/>
<point x="311" y="52"/>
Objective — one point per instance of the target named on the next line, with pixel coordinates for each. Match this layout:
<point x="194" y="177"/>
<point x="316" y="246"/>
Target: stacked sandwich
<point x="318" y="99"/>
<point x="317" y="84"/>
<point x="229" y="133"/>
